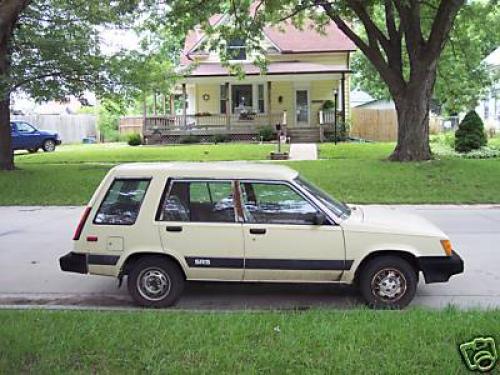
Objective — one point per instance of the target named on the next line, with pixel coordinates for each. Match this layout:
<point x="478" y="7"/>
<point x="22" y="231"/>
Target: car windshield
<point x="338" y="208"/>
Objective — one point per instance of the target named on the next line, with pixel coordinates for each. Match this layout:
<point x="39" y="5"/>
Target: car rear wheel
<point x="155" y="282"/>
<point x="49" y="145"/>
<point x="388" y="282"/>
<point x="32" y="150"/>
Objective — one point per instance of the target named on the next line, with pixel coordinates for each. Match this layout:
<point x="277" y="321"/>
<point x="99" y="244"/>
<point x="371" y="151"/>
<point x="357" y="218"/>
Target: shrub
<point x="220" y="138"/>
<point x="189" y="139"/>
<point x="470" y="134"/>
<point x="266" y="133"/>
<point x="134" y="139"/>
<point x="446" y="139"/>
<point x="328" y="105"/>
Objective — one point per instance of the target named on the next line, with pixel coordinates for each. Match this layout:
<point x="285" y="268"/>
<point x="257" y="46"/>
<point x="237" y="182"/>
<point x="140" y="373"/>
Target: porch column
<point x="228" y="108"/>
<point x="269" y="110"/>
<point x="172" y="104"/>
<point x="184" y="105"/>
<point x="342" y="85"/>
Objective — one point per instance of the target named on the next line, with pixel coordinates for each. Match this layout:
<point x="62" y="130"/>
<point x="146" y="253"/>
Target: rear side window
<point x="199" y="201"/>
<point x="122" y="202"/>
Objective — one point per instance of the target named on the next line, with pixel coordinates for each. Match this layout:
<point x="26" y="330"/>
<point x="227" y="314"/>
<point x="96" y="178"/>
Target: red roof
<point x="275" y="68"/>
<point x="290" y="40"/>
<point x="294" y="40"/>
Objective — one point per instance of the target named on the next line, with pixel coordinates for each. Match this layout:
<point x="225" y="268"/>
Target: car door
<point x="282" y="241"/>
<point x="28" y="135"/>
<point x="198" y="223"/>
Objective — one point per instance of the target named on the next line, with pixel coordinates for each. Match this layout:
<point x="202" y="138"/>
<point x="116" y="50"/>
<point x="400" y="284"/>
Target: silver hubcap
<point x="50" y="146"/>
<point x="389" y="284"/>
<point x="153" y="284"/>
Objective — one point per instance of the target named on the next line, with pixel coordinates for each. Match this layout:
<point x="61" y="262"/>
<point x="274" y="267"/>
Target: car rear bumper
<point x="73" y="262"/>
<point x="438" y="269"/>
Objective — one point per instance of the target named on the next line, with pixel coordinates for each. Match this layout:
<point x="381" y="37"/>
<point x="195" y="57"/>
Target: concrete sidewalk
<point x="303" y="151"/>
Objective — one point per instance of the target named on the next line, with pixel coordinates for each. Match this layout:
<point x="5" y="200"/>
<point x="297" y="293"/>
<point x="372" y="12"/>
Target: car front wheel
<point x="33" y="150"/>
<point x="49" y="145"/>
<point x="155" y="282"/>
<point x="388" y="282"/>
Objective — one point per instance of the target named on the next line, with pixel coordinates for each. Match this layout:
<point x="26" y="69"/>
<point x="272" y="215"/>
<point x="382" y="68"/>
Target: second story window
<point x="236" y="49"/>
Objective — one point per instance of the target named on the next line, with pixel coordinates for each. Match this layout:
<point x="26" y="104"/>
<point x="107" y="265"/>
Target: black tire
<point x="49" y="145"/>
<point x="33" y="150"/>
<point x="157" y="267"/>
<point x="388" y="282"/>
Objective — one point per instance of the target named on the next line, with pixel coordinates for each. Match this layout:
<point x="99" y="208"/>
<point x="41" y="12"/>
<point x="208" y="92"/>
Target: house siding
<point x="212" y="104"/>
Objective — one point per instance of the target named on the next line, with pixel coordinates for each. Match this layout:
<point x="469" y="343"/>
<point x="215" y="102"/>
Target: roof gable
<point x="286" y="37"/>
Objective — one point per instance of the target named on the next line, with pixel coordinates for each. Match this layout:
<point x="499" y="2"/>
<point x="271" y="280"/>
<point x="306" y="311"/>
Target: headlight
<point x="446" y="244"/>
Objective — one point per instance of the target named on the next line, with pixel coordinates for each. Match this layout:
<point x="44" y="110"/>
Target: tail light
<point x="81" y="224"/>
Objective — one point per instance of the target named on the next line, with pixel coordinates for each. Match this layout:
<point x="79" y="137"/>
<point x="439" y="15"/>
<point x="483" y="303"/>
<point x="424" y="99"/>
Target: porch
<point x="159" y="129"/>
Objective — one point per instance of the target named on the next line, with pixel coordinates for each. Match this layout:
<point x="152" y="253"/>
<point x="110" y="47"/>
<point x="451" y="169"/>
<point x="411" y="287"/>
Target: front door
<point x="282" y="243"/>
<point x="197" y="223"/>
<point x="302" y="107"/>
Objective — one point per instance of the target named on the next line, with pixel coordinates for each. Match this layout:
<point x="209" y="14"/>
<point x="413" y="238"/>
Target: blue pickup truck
<point x="27" y="137"/>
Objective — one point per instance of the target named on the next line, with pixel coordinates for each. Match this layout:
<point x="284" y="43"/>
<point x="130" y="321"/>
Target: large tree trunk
<point x="6" y="155"/>
<point x="413" y="108"/>
<point x="9" y="13"/>
<point x="413" y="132"/>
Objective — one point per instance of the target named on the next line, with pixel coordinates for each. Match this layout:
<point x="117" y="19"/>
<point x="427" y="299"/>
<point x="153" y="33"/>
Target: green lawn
<point x="121" y="153"/>
<point x="316" y="341"/>
<point x="356" y="173"/>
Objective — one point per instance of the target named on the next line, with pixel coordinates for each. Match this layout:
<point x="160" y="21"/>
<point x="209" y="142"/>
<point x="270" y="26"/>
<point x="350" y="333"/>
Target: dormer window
<point x="236" y="49"/>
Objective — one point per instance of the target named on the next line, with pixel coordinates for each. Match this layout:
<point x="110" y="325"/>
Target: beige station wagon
<point x="162" y="224"/>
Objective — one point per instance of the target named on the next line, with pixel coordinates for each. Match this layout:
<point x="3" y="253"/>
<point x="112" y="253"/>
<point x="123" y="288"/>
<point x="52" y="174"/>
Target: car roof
<point x="221" y="170"/>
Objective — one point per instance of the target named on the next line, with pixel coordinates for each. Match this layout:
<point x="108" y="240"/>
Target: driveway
<point x="33" y="238"/>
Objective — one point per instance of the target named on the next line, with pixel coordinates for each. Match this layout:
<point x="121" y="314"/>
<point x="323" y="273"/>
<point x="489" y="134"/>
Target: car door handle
<point x="174" y="229"/>
<point x="257" y="231"/>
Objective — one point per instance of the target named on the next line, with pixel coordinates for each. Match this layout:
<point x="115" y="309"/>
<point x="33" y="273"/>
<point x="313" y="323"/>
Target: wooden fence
<point x="382" y="124"/>
<point x="71" y="128"/>
<point x="131" y="124"/>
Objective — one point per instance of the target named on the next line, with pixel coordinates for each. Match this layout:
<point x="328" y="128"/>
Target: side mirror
<point x="319" y="218"/>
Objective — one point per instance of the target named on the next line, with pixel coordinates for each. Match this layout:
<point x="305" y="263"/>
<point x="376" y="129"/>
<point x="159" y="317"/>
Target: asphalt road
<point x="33" y="238"/>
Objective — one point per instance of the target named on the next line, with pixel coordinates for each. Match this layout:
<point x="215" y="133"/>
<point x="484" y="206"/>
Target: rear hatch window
<point x="122" y="202"/>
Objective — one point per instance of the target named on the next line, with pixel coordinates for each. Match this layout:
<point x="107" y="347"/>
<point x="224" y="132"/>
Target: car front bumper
<point x="438" y="269"/>
<point x="73" y="262"/>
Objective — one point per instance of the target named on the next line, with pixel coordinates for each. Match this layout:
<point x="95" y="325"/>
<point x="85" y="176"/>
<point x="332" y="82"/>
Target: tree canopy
<point x="461" y="73"/>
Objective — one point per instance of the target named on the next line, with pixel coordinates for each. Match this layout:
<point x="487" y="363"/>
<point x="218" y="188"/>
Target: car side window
<point x="24" y="128"/>
<point x="122" y="202"/>
<point x="268" y="203"/>
<point x="199" y="201"/>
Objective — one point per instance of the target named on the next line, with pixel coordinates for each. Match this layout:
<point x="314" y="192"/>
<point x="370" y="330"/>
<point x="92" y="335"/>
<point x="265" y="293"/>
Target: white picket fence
<point x="71" y="128"/>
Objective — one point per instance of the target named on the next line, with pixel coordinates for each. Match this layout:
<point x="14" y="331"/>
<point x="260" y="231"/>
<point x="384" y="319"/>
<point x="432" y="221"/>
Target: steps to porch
<point x="304" y="135"/>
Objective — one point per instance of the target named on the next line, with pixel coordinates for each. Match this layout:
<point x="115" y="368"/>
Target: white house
<point x="489" y="106"/>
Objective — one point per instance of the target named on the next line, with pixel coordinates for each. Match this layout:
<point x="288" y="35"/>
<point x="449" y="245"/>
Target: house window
<point x="486" y="108"/>
<point x="261" y="98"/>
<point x="236" y="49"/>
<point x="241" y="96"/>
<point x="223" y="98"/>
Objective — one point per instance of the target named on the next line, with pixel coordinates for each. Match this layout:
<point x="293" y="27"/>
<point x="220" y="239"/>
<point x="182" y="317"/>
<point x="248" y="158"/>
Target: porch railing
<point x="212" y="121"/>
